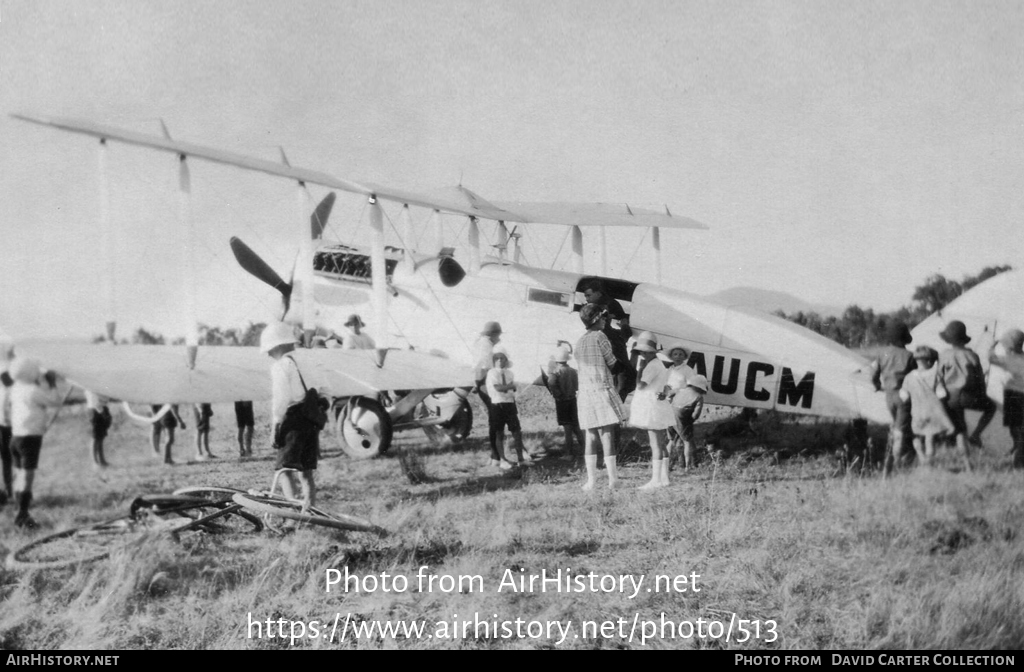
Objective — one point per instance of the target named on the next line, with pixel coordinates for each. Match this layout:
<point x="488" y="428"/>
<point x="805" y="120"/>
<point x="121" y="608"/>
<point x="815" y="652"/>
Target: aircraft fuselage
<point x="750" y="358"/>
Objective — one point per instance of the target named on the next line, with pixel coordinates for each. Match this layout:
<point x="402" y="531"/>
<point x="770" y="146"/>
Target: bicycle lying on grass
<point x="209" y="509"/>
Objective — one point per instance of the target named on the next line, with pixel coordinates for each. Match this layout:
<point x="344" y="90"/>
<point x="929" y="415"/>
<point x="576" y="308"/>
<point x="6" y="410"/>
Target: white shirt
<point x="285" y="387"/>
<point x="498" y="376"/>
<point x="28" y="408"/>
<point x="358" y="342"/>
<point x="679" y="378"/>
<point x="482" y="356"/>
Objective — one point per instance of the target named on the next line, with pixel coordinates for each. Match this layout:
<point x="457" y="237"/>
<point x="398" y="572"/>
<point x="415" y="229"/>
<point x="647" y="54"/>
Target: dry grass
<point x="927" y="559"/>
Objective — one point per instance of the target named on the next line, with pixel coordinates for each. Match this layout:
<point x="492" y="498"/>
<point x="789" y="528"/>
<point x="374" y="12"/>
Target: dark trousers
<point x="5" y="456"/>
<point x="492" y="434"/>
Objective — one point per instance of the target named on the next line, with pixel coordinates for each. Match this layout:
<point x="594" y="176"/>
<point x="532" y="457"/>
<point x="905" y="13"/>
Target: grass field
<point x="783" y="542"/>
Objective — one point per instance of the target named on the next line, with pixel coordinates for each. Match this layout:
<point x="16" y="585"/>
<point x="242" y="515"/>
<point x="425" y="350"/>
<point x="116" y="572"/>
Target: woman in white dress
<point x="651" y="409"/>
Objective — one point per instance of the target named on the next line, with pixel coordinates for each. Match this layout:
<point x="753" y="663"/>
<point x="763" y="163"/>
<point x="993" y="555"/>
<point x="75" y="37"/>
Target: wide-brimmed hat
<point x="275" y="334"/>
<point x="1013" y="340"/>
<point x="698" y="381"/>
<point x="491" y="329"/>
<point x="354" y="319"/>
<point x="897" y="333"/>
<point x="25" y="370"/>
<point x="669" y="347"/>
<point x="955" y="333"/>
<point x="925" y="352"/>
<point x="561" y="354"/>
<point x="646" y="342"/>
<point x="590" y="314"/>
<point x="499" y="351"/>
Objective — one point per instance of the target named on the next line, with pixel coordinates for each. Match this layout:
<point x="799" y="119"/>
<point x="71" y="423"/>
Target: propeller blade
<point x="253" y="264"/>
<point x="318" y="222"/>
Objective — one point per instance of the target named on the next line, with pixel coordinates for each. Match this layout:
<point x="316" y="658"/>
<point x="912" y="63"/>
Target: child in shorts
<point x="169" y="421"/>
<point x="246" y="421"/>
<point x="1013" y="389"/>
<point x="99" y="421"/>
<point x="6" y="355"/>
<point x="925" y="392"/>
<point x="688" y="404"/>
<point x="564" y="383"/>
<point x="961" y="374"/>
<point x="501" y="388"/>
<point x="202" y="414"/>
<point x="31" y="395"/>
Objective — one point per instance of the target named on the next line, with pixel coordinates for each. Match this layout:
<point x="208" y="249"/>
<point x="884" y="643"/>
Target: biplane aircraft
<point x="433" y="302"/>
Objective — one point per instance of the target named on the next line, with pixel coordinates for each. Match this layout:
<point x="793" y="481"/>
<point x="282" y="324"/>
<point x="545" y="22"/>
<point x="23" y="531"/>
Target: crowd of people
<point x="927" y="393"/>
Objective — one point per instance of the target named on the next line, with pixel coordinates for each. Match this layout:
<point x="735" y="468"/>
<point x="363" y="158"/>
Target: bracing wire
<point x="568" y="231"/>
<point x="641" y="241"/>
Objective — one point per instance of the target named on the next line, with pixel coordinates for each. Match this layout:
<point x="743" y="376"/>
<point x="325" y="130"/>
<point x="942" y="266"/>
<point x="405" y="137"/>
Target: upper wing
<point x="157" y="374"/>
<point x="457" y="200"/>
<point x="597" y="214"/>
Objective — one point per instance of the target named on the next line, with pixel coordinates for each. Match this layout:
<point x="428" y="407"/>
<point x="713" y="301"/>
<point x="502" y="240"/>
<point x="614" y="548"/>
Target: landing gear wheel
<point x="363" y="427"/>
<point x="284" y="508"/>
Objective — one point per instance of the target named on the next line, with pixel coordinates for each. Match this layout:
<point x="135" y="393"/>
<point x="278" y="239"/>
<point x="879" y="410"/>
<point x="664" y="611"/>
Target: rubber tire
<point x="118" y="529"/>
<point x="214" y="493"/>
<point x="363" y="452"/>
<point x="284" y="508"/>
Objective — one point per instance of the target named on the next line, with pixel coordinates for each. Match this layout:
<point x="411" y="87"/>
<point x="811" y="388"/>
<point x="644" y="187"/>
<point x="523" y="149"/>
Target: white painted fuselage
<point x="751" y="359"/>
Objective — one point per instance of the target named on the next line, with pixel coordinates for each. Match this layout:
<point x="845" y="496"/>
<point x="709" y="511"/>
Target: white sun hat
<point x="275" y="334"/>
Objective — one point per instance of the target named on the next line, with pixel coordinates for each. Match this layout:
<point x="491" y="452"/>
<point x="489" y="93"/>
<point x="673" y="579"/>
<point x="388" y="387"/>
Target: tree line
<point x="864" y="328"/>
<point x="248" y="335"/>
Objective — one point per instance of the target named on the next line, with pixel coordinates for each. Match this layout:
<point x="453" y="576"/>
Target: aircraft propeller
<point x="253" y="264"/>
<point x="318" y="222"/>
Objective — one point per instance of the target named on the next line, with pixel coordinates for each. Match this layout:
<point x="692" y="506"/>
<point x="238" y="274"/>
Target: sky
<point x="840" y="152"/>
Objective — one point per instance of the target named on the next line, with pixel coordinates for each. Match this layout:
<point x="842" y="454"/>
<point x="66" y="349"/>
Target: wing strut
<point x="407" y="258"/>
<point x="305" y="264"/>
<point x="577" y="250"/>
<point x="656" y="246"/>
<point x="191" y="265"/>
<point x="107" y="235"/>
<point x="502" y="240"/>
<point x="437" y="225"/>
<point x="474" y="245"/>
<point x="378" y="272"/>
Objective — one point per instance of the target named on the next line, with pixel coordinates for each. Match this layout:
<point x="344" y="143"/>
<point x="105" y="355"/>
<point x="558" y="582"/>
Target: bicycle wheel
<point x="284" y="508"/>
<point x="75" y="546"/>
<point x="212" y="492"/>
<point x="205" y="514"/>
